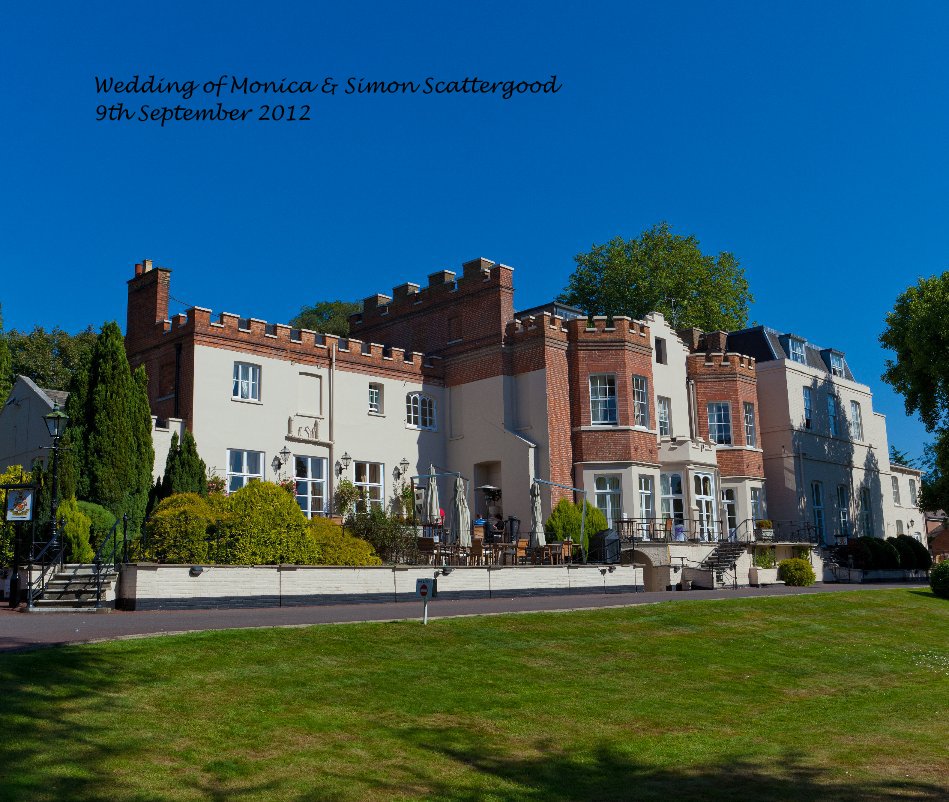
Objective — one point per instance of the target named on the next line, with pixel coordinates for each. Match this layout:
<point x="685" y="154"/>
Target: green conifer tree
<point x="118" y="455"/>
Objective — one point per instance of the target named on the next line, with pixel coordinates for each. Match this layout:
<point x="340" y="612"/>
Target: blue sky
<point x="810" y="139"/>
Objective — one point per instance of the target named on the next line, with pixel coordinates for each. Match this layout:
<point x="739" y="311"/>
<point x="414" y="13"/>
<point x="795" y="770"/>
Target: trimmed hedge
<point x="336" y="546"/>
<point x="874" y="553"/>
<point x="565" y="519"/>
<point x="939" y="579"/>
<point x="796" y="572"/>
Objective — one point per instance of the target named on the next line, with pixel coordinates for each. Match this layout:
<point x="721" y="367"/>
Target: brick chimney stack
<point x="147" y="301"/>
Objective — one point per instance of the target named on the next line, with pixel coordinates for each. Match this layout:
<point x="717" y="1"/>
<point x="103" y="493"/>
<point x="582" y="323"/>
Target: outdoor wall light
<point x="612" y="568"/>
<point x="196" y="570"/>
<point x="444" y="571"/>
<point x="402" y="469"/>
<point x="343" y="463"/>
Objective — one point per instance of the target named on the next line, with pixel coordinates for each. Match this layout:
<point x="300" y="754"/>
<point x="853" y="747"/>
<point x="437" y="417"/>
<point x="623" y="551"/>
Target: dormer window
<point x="836" y="364"/>
<point x="796" y="350"/>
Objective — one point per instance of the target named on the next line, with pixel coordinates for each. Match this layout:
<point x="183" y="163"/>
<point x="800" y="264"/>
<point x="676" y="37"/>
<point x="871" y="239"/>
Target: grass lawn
<point x="837" y="696"/>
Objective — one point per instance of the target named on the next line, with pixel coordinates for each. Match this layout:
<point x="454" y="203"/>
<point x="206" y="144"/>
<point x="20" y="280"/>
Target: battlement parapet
<point x="722" y="362"/>
<point x="603" y="327"/>
<point x="410" y="298"/>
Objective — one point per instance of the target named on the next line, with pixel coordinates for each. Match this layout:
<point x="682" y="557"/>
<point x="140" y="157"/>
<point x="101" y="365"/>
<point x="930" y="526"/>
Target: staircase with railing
<point x="80" y="587"/>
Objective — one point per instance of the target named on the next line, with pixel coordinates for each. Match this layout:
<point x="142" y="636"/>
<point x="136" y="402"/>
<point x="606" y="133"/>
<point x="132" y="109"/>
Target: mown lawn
<point x="838" y="696"/>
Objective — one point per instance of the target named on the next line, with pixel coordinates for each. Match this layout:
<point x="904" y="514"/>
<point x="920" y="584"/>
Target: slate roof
<point x="766" y="345"/>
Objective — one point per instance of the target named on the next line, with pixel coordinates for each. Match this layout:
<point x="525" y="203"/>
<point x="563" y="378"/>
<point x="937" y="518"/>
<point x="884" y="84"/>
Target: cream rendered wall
<point x="221" y="423"/>
<point x="905" y="511"/>
<point x="161" y="440"/>
<point x="479" y="433"/>
<point x="794" y="457"/>
<point x="669" y="380"/>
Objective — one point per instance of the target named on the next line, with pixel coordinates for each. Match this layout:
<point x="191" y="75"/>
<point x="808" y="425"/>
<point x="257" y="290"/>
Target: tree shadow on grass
<point x="928" y="594"/>
<point x="607" y="772"/>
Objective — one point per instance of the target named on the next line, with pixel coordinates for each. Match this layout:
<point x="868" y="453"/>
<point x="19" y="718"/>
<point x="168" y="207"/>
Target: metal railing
<point x="702" y="530"/>
<point x="110" y="554"/>
<point x="51" y="556"/>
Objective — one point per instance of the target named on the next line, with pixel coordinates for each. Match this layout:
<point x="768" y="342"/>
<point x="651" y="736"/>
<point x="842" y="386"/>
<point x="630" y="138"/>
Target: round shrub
<point x="923" y="558"/>
<point x="265" y="526"/>
<point x="883" y="555"/>
<point x="335" y="546"/>
<point x="179" y="529"/>
<point x="75" y="532"/>
<point x="939" y="579"/>
<point x="102" y="521"/>
<point x="796" y="572"/>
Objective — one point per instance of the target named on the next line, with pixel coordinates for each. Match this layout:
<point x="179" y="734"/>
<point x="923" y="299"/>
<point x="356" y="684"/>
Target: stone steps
<point x="73" y="589"/>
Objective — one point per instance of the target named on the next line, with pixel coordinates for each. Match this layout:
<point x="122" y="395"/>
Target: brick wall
<point x="728" y="377"/>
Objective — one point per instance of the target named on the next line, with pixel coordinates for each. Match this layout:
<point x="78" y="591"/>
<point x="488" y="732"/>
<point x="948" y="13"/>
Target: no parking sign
<point x="425" y="590"/>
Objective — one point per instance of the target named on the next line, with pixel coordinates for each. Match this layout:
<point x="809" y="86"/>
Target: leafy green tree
<point x="6" y="366"/>
<point x="661" y="272"/>
<point x="917" y="334"/>
<point x="185" y="471"/>
<point x="934" y="492"/>
<point x="329" y="317"/>
<point x="49" y="358"/>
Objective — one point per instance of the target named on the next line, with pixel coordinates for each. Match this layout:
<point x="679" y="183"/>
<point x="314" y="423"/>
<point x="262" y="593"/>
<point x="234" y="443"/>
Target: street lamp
<point x="56" y="424"/>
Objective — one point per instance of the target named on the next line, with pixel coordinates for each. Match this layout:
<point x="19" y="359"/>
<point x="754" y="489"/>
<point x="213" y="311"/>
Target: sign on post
<point x="20" y="504"/>
<point x="424" y="589"/>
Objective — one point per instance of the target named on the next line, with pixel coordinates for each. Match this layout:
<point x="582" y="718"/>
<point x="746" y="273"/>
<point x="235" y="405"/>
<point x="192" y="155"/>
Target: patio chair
<point x="426" y="550"/>
<point x="520" y="551"/>
<point x="476" y="552"/>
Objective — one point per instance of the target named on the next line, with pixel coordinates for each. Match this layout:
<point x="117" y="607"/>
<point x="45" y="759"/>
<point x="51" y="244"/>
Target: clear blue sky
<point x="810" y="139"/>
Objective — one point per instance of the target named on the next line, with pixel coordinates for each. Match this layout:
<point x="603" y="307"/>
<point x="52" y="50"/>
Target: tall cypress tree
<point x="118" y="455"/>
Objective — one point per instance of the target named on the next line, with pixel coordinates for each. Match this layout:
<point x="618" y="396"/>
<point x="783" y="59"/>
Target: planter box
<point x="762" y="576"/>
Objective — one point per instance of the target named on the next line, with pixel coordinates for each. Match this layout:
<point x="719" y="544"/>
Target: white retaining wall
<point x="155" y="587"/>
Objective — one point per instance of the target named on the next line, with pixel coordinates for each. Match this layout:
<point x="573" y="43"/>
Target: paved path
<point x="20" y="631"/>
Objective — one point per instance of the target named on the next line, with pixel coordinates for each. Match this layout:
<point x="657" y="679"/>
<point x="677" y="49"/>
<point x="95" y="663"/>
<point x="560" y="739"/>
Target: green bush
<point x="874" y="553"/>
<point x="75" y="532"/>
<point x="265" y="526"/>
<point x="939" y="579"/>
<point x="923" y="558"/>
<point x="336" y="546"/>
<point x="179" y="529"/>
<point x="102" y="521"/>
<point x="565" y="519"/>
<point x="796" y="572"/>
<point x="391" y="538"/>
<point x="907" y="555"/>
<point x="764" y="558"/>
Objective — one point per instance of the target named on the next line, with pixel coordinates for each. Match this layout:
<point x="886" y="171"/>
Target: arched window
<point x="420" y="411"/>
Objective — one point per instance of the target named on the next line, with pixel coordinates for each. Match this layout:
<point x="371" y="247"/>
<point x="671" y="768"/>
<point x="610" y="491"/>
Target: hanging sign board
<point x="20" y="504"/>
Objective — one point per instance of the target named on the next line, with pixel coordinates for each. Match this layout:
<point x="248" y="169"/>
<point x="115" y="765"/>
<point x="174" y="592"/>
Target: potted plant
<point x="764" y="529"/>
<point x="763" y="569"/>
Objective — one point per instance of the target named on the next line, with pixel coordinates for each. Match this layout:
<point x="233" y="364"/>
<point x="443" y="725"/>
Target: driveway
<point x="21" y="631"/>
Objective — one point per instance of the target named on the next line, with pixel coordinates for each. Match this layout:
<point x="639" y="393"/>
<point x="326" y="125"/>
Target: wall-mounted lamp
<point x="444" y="571"/>
<point x="343" y="463"/>
<point x="280" y="459"/>
<point x="196" y="570"/>
<point x="401" y="469"/>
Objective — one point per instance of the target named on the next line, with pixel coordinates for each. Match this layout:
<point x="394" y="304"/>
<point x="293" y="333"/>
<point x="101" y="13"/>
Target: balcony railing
<point x="703" y="530"/>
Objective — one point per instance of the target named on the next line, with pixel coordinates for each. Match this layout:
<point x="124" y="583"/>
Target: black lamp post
<point x="56" y="424"/>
